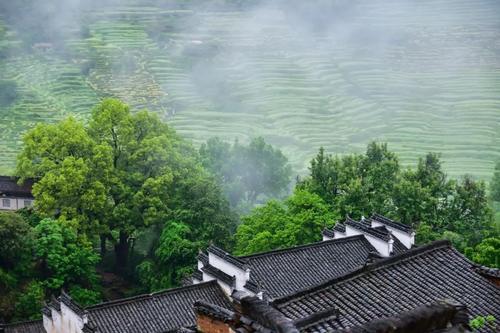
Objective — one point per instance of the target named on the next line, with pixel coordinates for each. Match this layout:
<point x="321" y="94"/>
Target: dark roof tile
<point x="285" y="271"/>
<point x="10" y="187"/>
<point x="218" y="274"/>
<point x="397" y="225"/>
<point x="226" y="256"/>
<point x="388" y="287"/>
<point x="33" y="326"/>
<point x="365" y="228"/>
<point x="158" y="312"/>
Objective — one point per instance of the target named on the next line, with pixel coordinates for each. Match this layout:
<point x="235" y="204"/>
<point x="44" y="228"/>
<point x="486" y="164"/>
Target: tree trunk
<point x="121" y="251"/>
<point x="103" y="245"/>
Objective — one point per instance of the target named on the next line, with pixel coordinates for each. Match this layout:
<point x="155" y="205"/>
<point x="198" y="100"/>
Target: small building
<point x="14" y="196"/>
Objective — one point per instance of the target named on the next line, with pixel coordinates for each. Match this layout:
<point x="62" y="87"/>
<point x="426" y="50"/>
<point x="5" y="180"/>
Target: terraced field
<point x="424" y="77"/>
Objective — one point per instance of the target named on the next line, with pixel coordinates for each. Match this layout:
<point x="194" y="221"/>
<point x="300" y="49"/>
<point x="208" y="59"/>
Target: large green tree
<point x="120" y="174"/>
<point x="355" y="184"/>
<point x="298" y="220"/>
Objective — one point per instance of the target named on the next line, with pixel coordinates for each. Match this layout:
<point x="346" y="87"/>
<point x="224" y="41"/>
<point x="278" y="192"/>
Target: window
<point x="6" y="202"/>
<point x="27" y="203"/>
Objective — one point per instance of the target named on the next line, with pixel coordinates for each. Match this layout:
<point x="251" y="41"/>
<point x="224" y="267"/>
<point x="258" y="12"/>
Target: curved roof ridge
<point x="367" y="269"/>
<point x="147" y="296"/>
<point x="300" y="247"/>
<point x="395" y="224"/>
<point x="227" y="256"/>
<point x="364" y="227"/>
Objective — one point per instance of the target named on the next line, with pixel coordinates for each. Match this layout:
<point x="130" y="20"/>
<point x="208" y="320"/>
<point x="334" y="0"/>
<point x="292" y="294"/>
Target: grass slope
<point x="432" y="86"/>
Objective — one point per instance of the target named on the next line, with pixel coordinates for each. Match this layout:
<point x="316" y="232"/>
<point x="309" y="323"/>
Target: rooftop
<point x="394" y="285"/>
<point x="285" y="271"/>
<point x="158" y="312"/>
<point x="33" y="326"/>
<point x="9" y="187"/>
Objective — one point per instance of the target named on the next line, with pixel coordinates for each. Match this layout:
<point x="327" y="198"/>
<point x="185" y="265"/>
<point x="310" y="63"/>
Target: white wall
<point x="383" y="248"/>
<point x="338" y="234"/>
<point x="227" y="289"/>
<point x="64" y="321"/>
<point x="408" y="240"/>
<point x="15" y="203"/>
<point x="241" y="276"/>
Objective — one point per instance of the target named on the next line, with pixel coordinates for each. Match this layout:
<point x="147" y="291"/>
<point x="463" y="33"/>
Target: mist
<point x="421" y="75"/>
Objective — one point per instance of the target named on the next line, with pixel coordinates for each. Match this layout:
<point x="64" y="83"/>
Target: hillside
<point x="423" y="76"/>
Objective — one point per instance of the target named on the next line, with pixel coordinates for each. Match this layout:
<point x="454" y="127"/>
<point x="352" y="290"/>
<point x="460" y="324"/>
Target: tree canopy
<point x="358" y="185"/>
<point x="248" y="173"/>
<point x="120" y="174"/>
<point x="298" y="220"/>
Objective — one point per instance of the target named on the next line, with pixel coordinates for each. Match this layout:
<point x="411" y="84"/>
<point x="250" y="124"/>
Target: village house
<point x="14" y="196"/>
<point x="365" y="276"/>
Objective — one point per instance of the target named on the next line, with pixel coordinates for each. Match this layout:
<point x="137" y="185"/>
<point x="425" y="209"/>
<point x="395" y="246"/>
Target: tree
<point x="468" y="210"/>
<point x="67" y="166"/>
<point x="173" y="258"/>
<point x="15" y="247"/>
<point x="15" y="264"/>
<point x="355" y="185"/>
<point x="247" y="172"/>
<point x="63" y="257"/>
<point x="257" y="231"/>
<point x="486" y="253"/>
<point x="298" y="220"/>
<point x="120" y="174"/>
<point x="30" y="302"/>
<point x="495" y="183"/>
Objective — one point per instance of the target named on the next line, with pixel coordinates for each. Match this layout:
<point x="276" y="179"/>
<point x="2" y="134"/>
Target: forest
<point x="123" y="204"/>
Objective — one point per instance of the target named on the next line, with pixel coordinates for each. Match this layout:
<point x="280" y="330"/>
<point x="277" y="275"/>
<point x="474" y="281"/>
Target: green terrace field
<point x="423" y="78"/>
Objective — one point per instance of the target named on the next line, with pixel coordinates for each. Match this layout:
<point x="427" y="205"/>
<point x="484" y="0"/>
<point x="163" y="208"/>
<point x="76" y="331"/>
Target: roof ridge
<point x="368" y="268"/>
<point x="20" y="322"/>
<point x="300" y="247"/>
<point x="147" y="296"/>
<point x="364" y="227"/>
<point x="226" y="256"/>
<point x="392" y="223"/>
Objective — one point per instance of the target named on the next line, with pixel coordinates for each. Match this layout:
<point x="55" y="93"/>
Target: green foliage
<point x="247" y="173"/>
<point x="16" y="238"/>
<point x="355" y="184"/>
<point x="298" y="220"/>
<point x="30" y="302"/>
<point x="84" y="297"/>
<point x="486" y="253"/>
<point x="358" y="185"/>
<point x="115" y="177"/>
<point x="495" y="183"/>
<point x="64" y="257"/>
<point x="480" y="322"/>
<point x="172" y="257"/>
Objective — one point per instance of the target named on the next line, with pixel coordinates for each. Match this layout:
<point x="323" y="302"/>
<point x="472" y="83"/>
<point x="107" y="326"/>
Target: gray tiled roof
<point x="9" y="186"/>
<point x="218" y="274"/>
<point x="34" y="326"/>
<point x="391" y="223"/>
<point x="398" y="247"/>
<point x="365" y="227"/>
<point x="158" y="312"/>
<point x="285" y="271"/>
<point x="226" y="256"/>
<point x="417" y="277"/>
